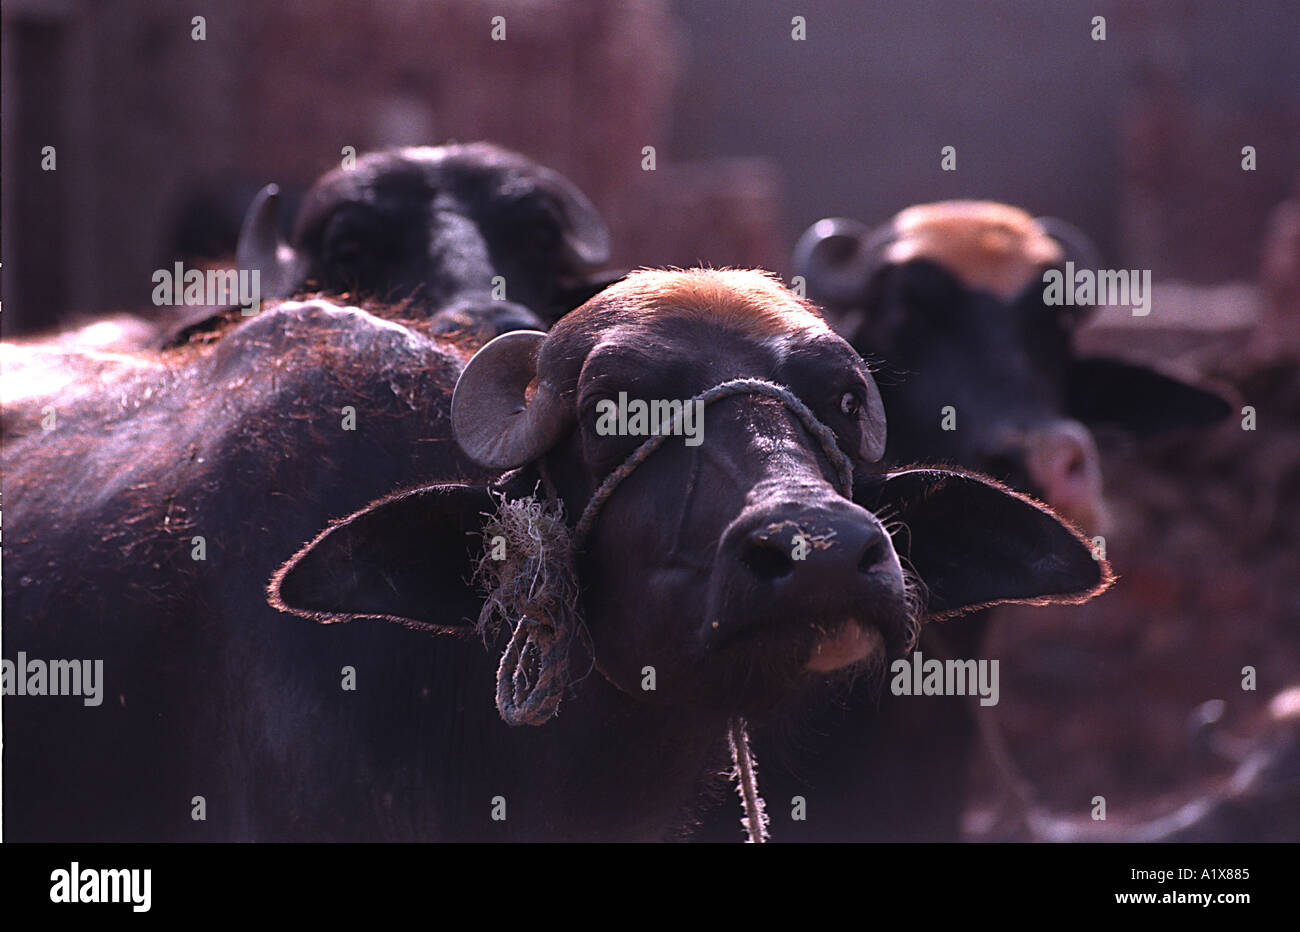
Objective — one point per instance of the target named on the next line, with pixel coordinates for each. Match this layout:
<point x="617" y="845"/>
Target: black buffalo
<point x="948" y="299"/>
<point x="481" y="238"/>
<point x="437" y="226"/>
<point x="414" y="232"/>
<point x="687" y="569"/>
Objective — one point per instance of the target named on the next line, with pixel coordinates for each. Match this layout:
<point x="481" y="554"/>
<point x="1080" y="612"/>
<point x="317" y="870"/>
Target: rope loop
<point x="533" y="672"/>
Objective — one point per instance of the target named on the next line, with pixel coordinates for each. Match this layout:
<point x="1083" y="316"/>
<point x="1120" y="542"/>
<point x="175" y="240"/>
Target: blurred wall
<point x="1136" y="138"/>
<point x="141" y="116"/>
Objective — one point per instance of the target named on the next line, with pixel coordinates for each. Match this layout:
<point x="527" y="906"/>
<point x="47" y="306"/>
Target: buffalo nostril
<point x="875" y="553"/>
<point x="766" y="558"/>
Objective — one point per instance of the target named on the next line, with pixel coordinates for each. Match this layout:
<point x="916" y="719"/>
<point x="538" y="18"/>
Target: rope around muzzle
<point x="823" y="434"/>
<point x="534" y="590"/>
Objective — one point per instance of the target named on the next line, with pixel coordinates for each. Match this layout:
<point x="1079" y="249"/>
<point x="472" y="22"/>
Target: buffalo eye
<point x="850" y="404"/>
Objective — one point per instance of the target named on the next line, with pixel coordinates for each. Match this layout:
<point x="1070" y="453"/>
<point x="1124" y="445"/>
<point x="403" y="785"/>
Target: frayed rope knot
<point x="527" y="570"/>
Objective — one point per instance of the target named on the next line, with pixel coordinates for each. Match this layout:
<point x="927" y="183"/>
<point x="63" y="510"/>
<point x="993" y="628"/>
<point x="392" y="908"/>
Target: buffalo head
<point x="432" y="225"/>
<point x="950" y="298"/>
<point x="731" y="570"/>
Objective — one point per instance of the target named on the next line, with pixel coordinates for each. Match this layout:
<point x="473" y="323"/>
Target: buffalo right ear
<point x="407" y="558"/>
<point x="1101" y="391"/>
<point x="975" y="543"/>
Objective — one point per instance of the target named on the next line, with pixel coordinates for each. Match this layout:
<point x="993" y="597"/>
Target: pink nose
<point x="1062" y="462"/>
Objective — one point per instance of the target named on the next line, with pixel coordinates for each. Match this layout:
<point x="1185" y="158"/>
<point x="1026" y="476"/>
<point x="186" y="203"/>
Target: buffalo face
<point x="430" y="224"/>
<point x="731" y="566"/>
<point x="977" y="368"/>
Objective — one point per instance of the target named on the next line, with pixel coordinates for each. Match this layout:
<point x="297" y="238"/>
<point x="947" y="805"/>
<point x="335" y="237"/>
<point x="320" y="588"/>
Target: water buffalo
<point x="483" y="238"/>
<point x="428" y="228"/>
<point x="432" y="225"/>
<point x="663" y="595"/>
<point x="948" y="298"/>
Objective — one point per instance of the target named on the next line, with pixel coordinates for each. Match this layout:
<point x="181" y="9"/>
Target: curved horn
<point x="1079" y="249"/>
<point x="260" y="246"/>
<point x="838" y="257"/>
<point x="491" y="416"/>
<point x="587" y="238"/>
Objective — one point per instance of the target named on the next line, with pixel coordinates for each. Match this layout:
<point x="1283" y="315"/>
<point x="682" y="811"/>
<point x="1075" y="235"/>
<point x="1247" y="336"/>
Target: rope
<point x="533" y="672"/>
<point x="746" y="777"/>
<point x="824" y="435"/>
<point x="534" y="593"/>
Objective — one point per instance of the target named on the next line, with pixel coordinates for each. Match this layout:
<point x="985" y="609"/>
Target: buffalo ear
<point x="406" y="558"/>
<point x="975" y="543"/>
<point x="1110" y="392"/>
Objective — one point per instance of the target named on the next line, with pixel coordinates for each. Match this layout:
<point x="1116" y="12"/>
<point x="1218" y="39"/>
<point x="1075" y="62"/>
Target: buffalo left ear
<point x="1111" y="392"/>
<point x="975" y="543"/>
<point x="407" y="559"/>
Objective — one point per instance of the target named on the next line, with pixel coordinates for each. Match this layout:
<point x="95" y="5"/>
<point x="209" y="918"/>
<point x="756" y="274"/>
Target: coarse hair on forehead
<point x="751" y="301"/>
<point x="986" y="245"/>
